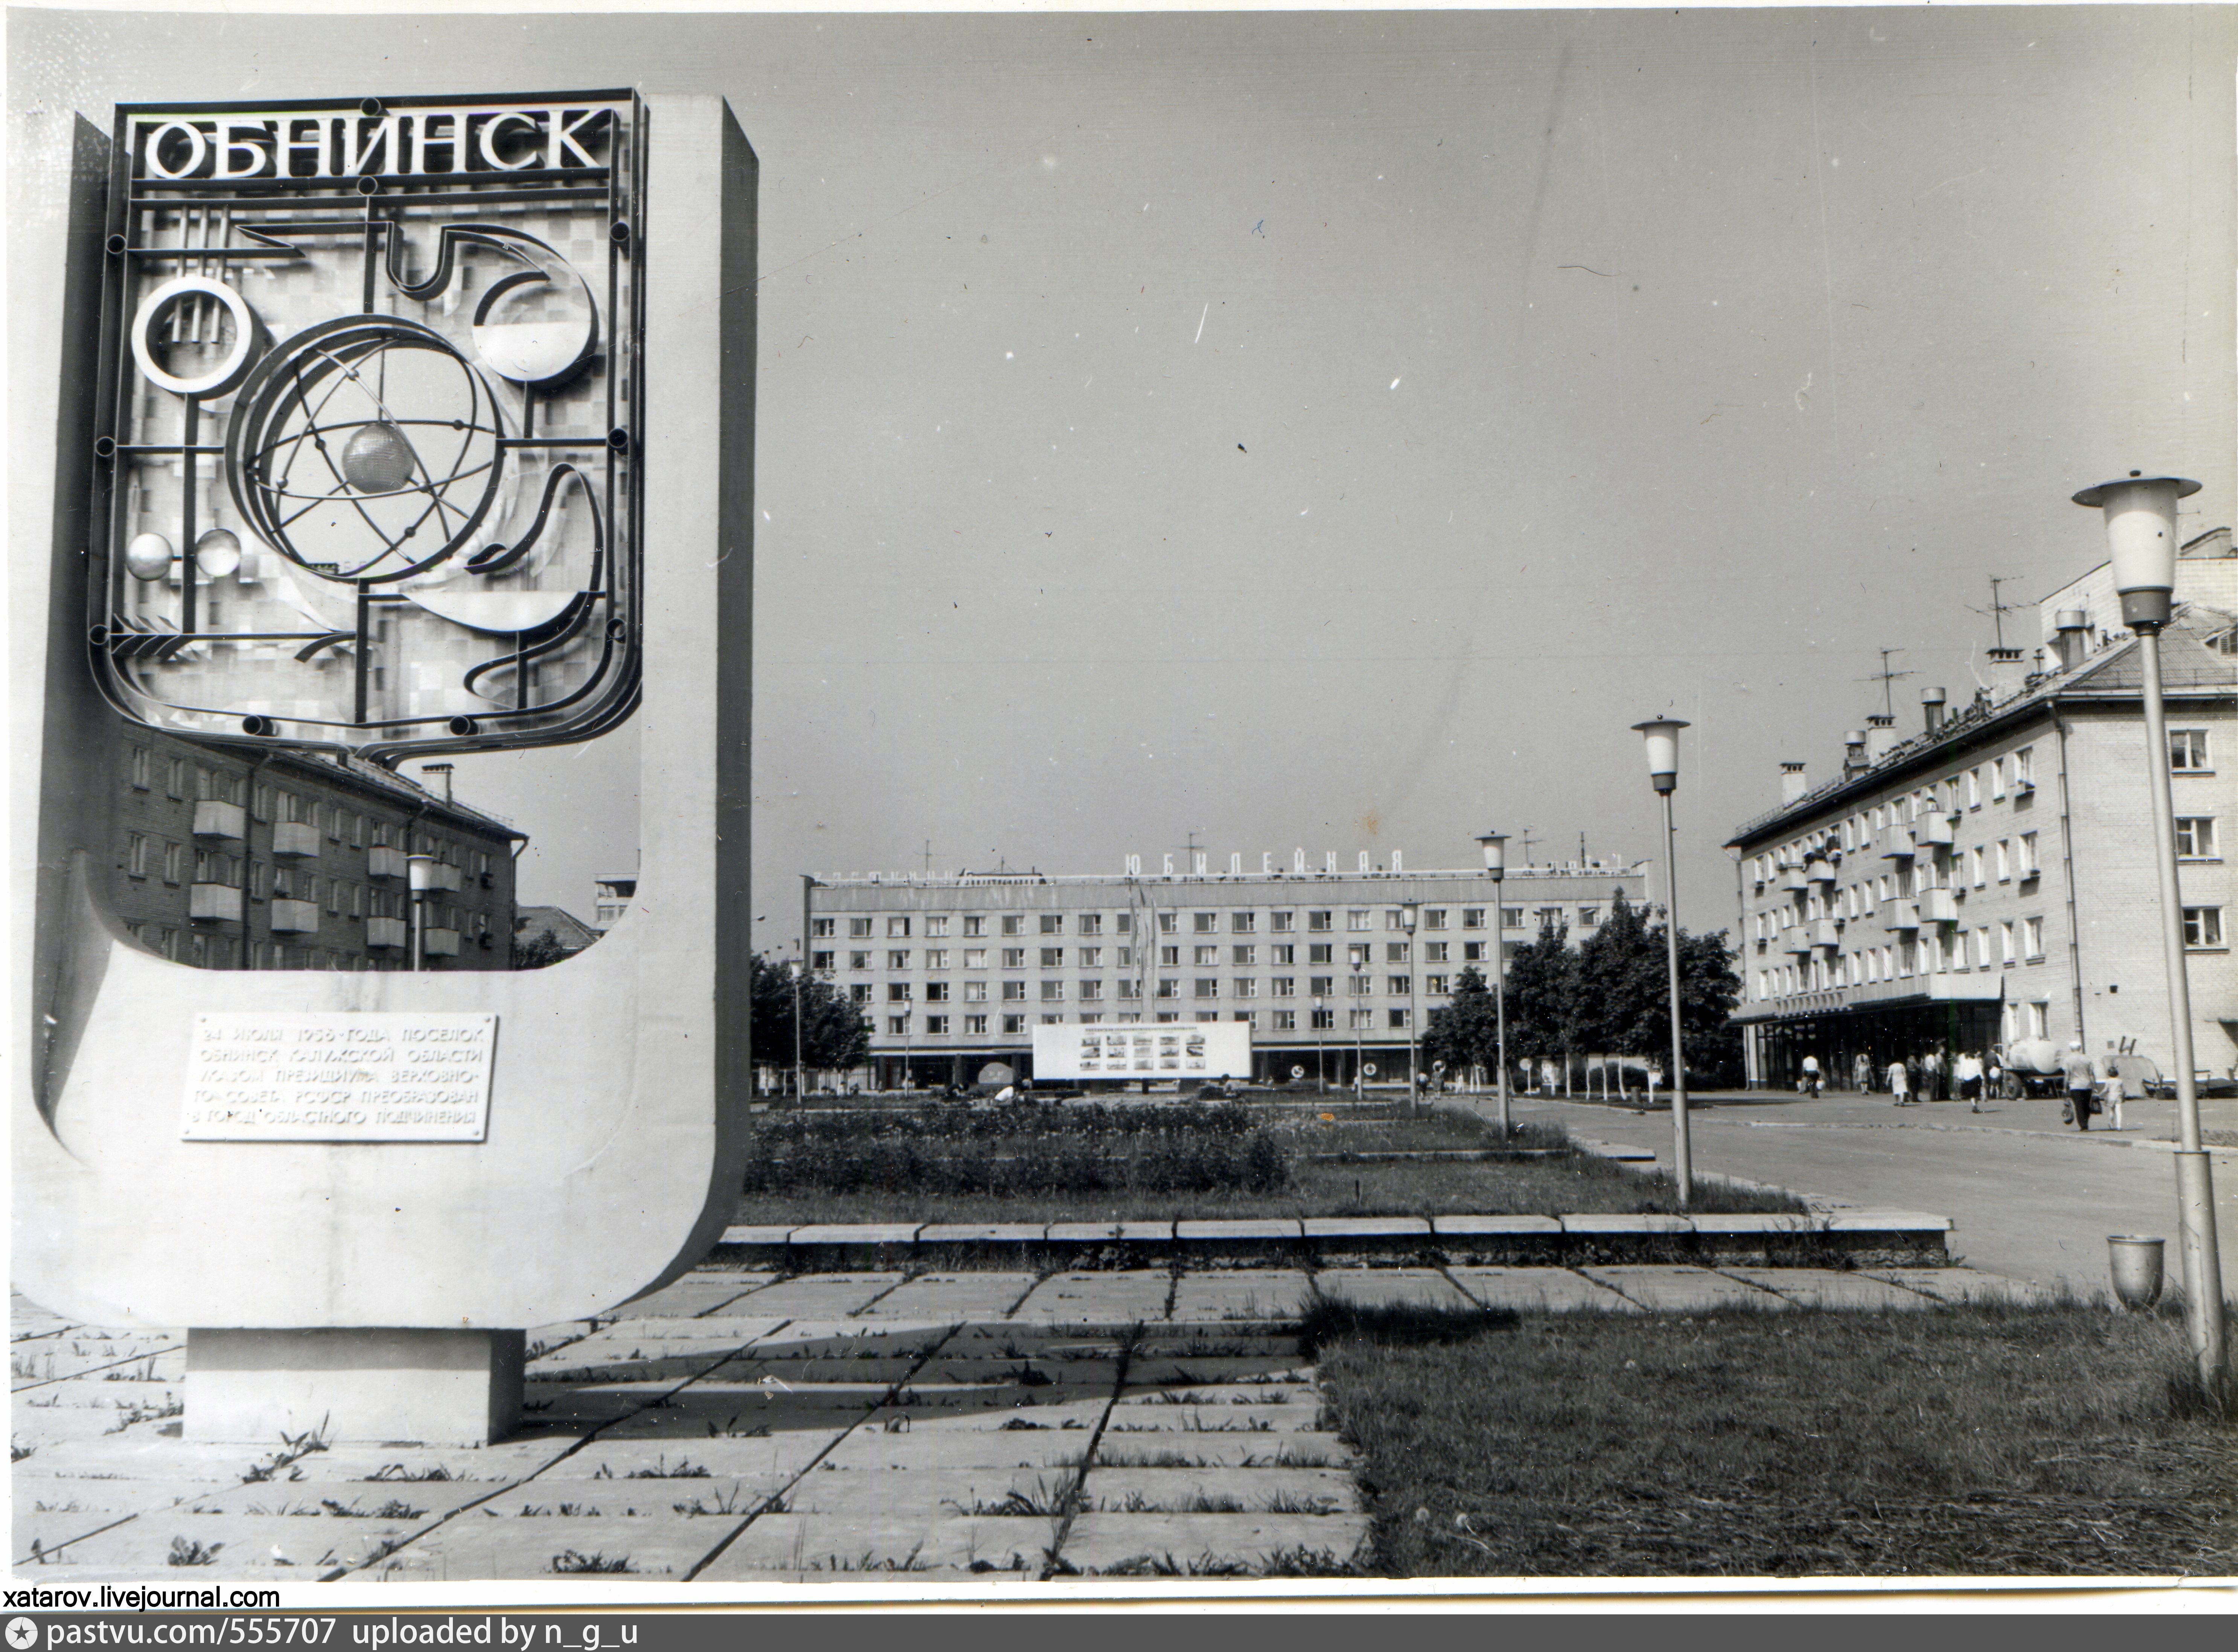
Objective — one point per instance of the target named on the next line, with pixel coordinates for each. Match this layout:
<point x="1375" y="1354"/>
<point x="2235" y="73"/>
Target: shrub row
<point x="1141" y="1161"/>
<point x="1021" y="1119"/>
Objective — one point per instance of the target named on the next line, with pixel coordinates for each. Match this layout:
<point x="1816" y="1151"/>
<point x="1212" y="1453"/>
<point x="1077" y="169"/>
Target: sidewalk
<point x="751" y="1427"/>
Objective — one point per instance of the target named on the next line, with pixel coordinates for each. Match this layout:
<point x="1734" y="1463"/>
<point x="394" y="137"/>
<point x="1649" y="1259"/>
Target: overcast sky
<point x="1336" y="430"/>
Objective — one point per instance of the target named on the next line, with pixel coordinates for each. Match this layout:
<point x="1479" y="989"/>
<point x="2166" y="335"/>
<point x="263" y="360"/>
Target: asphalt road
<point x="2031" y="1198"/>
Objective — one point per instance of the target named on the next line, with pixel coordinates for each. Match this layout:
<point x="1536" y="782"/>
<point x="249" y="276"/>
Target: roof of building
<point x="397" y="788"/>
<point x="2193" y="662"/>
<point x="1230" y="880"/>
<point x="571" y="931"/>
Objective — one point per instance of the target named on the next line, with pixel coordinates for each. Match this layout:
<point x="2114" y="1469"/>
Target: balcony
<point x="382" y="861"/>
<point x="228" y="821"/>
<point x="384" y="931"/>
<point x="1819" y="870"/>
<point x="1896" y="844"/>
<point x="214" y="903"/>
<point x="1795" y="941"/>
<point x="1932" y="831"/>
<point x="1900" y="914"/>
<point x="295" y="917"/>
<point x="297" y="839"/>
<point x="439" y="943"/>
<point x="1826" y="933"/>
<point x="446" y="877"/>
<point x="1938" y="906"/>
<point x="1792" y="878"/>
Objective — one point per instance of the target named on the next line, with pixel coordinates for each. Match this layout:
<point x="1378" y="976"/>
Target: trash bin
<point x="2136" y="1267"/>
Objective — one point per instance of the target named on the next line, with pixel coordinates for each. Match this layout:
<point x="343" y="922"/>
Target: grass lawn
<point x="1936" y="1442"/>
<point x="1570" y="1182"/>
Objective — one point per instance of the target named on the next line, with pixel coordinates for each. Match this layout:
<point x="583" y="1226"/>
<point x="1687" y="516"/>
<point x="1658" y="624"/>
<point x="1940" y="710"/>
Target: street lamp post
<point x="419" y="877"/>
<point x="1495" y="867"/>
<point x="1661" y="734"/>
<point x="1410" y="912"/>
<point x="2141" y="531"/>
<point x="807" y="929"/>
<point x="1320" y="1049"/>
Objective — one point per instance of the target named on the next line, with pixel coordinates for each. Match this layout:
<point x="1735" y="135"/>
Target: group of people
<point x="2094" y="1085"/>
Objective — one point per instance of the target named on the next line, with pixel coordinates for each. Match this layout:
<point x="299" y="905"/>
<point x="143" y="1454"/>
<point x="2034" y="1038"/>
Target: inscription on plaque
<point x="364" y="1077"/>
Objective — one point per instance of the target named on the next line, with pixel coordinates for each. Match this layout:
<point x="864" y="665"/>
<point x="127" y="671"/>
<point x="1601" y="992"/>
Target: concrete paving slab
<point x="407" y="1465"/>
<point x="1856" y="1221"/>
<point x="867" y="1367"/>
<point x="1218" y="1488"/>
<point x="695" y="1293"/>
<point x="479" y="1544"/>
<point x="1106" y="1232"/>
<point x="1246" y="1450"/>
<point x="1471" y="1226"/>
<point x="1965" y="1285"/>
<point x="1161" y="1371"/>
<point x="1830" y="1288"/>
<point x="147" y="1455"/>
<point x="50" y="1514"/>
<point x="213" y="1548"/>
<point x="580" y="1496"/>
<point x="1025" y="1440"/>
<point x="1082" y="1299"/>
<point x="1241" y="1294"/>
<point x="955" y="1296"/>
<point x="1227" y="1230"/>
<point x="1755" y="1223"/>
<point x="1005" y="1491"/>
<point x="1367" y="1227"/>
<point x="1213" y="1415"/>
<point x="1211" y="1545"/>
<point x="728" y="1459"/>
<point x="822" y="1295"/>
<point x="849" y="1339"/>
<point x="759" y="1233"/>
<point x="812" y="1548"/>
<point x="857" y="1233"/>
<point x="1597" y="1222"/>
<point x="1682" y="1288"/>
<point x="1554" y="1289"/>
<point x="982" y="1233"/>
<point x="1100" y="1374"/>
<point x="1390" y="1287"/>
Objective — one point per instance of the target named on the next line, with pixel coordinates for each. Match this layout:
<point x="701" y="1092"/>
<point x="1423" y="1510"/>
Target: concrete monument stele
<point x="385" y="428"/>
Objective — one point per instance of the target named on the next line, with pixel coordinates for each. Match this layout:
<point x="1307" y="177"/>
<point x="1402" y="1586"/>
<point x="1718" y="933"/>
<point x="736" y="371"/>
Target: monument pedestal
<point x="424" y="1387"/>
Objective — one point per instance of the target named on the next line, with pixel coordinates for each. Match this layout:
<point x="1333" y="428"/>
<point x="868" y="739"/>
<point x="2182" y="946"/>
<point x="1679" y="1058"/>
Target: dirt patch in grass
<point x="1985" y="1441"/>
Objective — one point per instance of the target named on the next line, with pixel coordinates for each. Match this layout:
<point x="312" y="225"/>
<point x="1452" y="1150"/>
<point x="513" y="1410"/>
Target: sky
<point x="1335" y="430"/>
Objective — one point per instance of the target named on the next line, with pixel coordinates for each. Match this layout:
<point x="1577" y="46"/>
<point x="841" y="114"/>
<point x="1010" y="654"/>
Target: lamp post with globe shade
<point x="1410" y="912"/>
<point x="1661" y="734"/>
<point x="1495" y="867"/>
<point x="1321" y="1050"/>
<point x="419" y="877"/>
<point x="2141" y="533"/>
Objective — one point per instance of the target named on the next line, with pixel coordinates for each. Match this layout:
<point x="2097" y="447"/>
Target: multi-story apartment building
<point x="229" y="858"/>
<point x="956" y="971"/>
<point x="1990" y="878"/>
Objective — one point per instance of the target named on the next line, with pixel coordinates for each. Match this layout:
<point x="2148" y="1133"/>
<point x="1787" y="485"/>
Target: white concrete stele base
<point x="390" y="1386"/>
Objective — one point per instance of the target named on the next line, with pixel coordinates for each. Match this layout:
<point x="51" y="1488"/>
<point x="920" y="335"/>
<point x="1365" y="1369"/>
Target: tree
<point x="1624" y="995"/>
<point x="1542" y="997"/>
<point x="833" y="1032"/>
<point x="537" y="954"/>
<point x="1465" y="1030"/>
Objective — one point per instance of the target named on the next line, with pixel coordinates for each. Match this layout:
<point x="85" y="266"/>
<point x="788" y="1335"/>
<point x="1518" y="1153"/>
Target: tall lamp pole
<point x="2141" y="531"/>
<point x="1495" y="867"/>
<point x="1320" y="1049"/>
<point x="1661" y="734"/>
<point x="419" y="877"/>
<point x="1410" y="912"/>
<point x="807" y="928"/>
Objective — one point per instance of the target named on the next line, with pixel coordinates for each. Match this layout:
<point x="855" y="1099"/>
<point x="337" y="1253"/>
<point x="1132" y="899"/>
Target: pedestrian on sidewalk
<point x="1812" y="1085"/>
<point x="1861" y="1074"/>
<point x="2081" y="1083"/>
<point x="1899" y="1077"/>
<point x="1969" y="1071"/>
<point x="1931" y="1076"/>
<point x="2110" y="1087"/>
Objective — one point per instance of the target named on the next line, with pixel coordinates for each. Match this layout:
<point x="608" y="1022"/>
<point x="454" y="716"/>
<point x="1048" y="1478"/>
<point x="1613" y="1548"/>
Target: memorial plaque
<point x="339" y="1077"/>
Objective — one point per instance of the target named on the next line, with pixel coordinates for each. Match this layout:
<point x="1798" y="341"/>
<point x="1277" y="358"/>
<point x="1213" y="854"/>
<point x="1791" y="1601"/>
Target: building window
<point x="1169" y="958"/>
<point x="1206" y="922"/>
<point x="1396" y="953"/>
<point x="858" y="960"/>
<point x="1319" y="920"/>
<point x="1091" y="922"/>
<point x="1168" y="988"/>
<point x="140" y="762"/>
<point x="936" y="991"/>
<point x="175" y="779"/>
<point x="1323" y="985"/>
<point x="1014" y="957"/>
<point x="135" y="855"/>
<point x="1361" y="987"/>
<point x="898" y="1026"/>
<point x="896" y="928"/>
<point x="1206" y="956"/>
<point x="1242" y="923"/>
<point x="1324" y="1020"/>
<point x="2039" y="1019"/>
<point x="2029" y="866"/>
<point x="1122" y="924"/>
<point x="898" y="960"/>
<point x="1014" y="991"/>
<point x="1131" y="991"/>
<point x="1284" y="987"/>
<point x="859" y="993"/>
<point x="976" y="1025"/>
<point x="1997" y="779"/>
<point x="1284" y="954"/>
<point x="2032" y="939"/>
<point x="936" y="1024"/>
<point x="1472" y="951"/>
<point x="1433" y="918"/>
<point x="1362" y="1020"/>
<point x="1286" y="1020"/>
<point x="975" y="925"/>
<point x="821" y="961"/>
<point x="1973" y="789"/>
<point x="1510" y="917"/>
<point x="2187" y="750"/>
<point x="173" y="857"/>
<point x="1014" y="922"/>
<point x="1281" y="922"/>
<point x="2202" y="927"/>
<point x="1091" y="957"/>
<point x="2004" y="860"/>
<point x="1393" y="919"/>
<point x="1090" y="991"/>
<point x="1399" y="1015"/>
<point x="1355" y="921"/>
<point x="1246" y="957"/>
<point x="858" y="928"/>
<point x="1246" y="986"/>
<point x="1052" y="958"/>
<point x="1014" y="1023"/>
<point x="897" y="992"/>
<point x="1400" y="986"/>
<point x="1168" y="922"/>
<point x="2194" y="836"/>
<point x="975" y="957"/>
<point x="1320" y="953"/>
<point x="935" y="926"/>
<point x="1052" y="923"/>
<point x="2005" y="941"/>
<point x="1207" y="986"/>
<point x="975" y="992"/>
<point x="1588" y="917"/>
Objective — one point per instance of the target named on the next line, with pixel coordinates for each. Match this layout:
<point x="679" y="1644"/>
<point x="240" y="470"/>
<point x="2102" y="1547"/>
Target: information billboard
<point x="1202" y="1050"/>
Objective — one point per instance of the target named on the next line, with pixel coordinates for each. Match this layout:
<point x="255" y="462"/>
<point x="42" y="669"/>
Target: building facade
<point x="237" y="859"/>
<point x="1990" y="879"/>
<point x="955" y="973"/>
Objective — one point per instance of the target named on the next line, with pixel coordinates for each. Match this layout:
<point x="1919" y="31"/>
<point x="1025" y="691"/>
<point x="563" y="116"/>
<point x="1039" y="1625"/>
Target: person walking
<point x="1969" y="1073"/>
<point x="2082" y="1084"/>
<point x="1899" y="1079"/>
<point x="1861" y="1074"/>
<point x="2110" y="1087"/>
<point x="1994" y="1080"/>
<point x="1813" y="1085"/>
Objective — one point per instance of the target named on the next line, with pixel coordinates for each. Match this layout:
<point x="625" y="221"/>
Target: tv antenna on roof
<point x="1998" y="609"/>
<point x="1886" y="678"/>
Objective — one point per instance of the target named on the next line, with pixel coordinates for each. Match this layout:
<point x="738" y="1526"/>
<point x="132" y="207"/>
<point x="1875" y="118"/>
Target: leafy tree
<point x="1542" y="998"/>
<point x="1624" y="997"/>
<point x="833" y="1032"/>
<point x="1465" y="1030"/>
<point x="539" y="953"/>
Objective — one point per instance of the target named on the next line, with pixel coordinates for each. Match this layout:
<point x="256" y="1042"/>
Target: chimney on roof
<point x="1880" y="736"/>
<point x="1792" y="785"/>
<point x="2006" y="671"/>
<point x="441" y="769"/>
<point x="2070" y="638"/>
<point x="1932" y="701"/>
<point x="1853" y="752"/>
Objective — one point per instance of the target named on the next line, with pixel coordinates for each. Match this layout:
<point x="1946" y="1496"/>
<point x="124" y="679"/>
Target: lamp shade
<point x="1409" y="910"/>
<point x="1662" y="736"/>
<point x="2141" y="538"/>
<point x="1494" y="845"/>
<point x="419" y="873"/>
